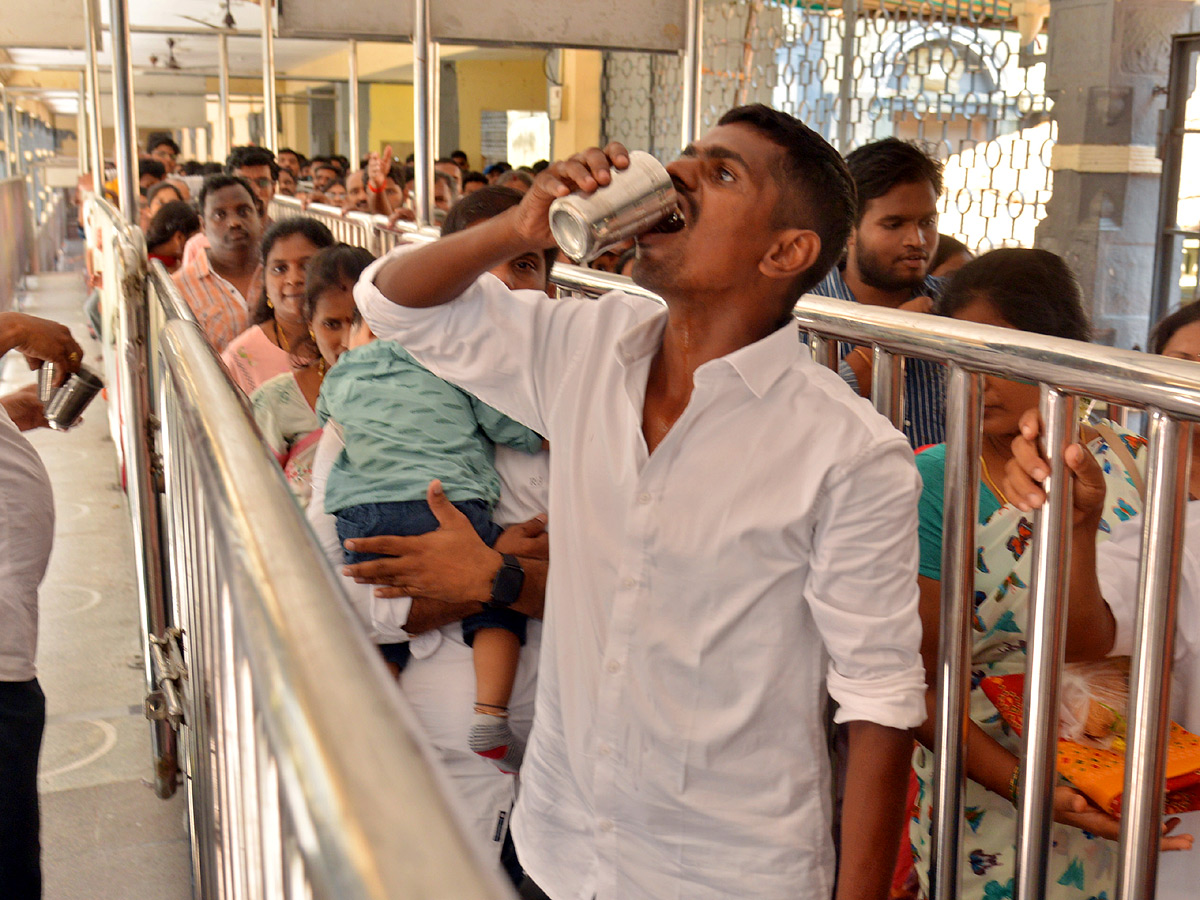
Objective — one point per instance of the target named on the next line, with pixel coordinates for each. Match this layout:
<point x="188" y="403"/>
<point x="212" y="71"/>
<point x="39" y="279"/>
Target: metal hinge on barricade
<point x="169" y="671"/>
<point x="158" y="474"/>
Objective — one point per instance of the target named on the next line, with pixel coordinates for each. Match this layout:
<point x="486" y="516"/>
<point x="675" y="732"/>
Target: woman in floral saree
<point x="1028" y="290"/>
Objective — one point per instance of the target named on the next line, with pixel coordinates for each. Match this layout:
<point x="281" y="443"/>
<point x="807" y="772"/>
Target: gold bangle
<point x="1012" y="784"/>
<point x="862" y="351"/>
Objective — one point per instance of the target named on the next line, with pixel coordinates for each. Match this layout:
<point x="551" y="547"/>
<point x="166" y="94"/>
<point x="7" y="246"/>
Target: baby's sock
<point x="492" y="739"/>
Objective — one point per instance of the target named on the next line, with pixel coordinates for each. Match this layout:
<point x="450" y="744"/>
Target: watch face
<point x="506" y="588"/>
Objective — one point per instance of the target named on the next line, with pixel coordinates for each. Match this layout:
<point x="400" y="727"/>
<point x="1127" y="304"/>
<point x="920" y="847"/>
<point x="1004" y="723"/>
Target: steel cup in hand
<point x="70" y="400"/>
<point x="45" y="380"/>
<point x="638" y="198"/>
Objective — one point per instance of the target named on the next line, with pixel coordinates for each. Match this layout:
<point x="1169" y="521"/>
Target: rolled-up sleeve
<point x="863" y="587"/>
<point x="508" y="348"/>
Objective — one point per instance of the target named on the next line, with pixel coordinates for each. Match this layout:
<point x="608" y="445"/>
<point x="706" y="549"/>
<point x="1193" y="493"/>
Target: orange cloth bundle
<point x="1100" y="773"/>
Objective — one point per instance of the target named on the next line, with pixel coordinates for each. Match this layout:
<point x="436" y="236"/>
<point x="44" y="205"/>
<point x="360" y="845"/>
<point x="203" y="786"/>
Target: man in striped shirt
<point x="221" y="282"/>
<point x="887" y="264"/>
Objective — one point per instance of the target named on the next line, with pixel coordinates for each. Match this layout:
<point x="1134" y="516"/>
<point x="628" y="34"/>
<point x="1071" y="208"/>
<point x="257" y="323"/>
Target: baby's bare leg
<point x="496" y="653"/>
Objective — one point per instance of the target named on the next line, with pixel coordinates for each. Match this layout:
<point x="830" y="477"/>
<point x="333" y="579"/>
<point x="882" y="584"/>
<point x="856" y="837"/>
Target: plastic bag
<point x="1092" y="703"/>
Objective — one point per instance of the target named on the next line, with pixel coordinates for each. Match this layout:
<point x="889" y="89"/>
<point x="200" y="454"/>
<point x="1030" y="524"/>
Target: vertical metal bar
<point x="355" y="150"/>
<point x="1150" y="674"/>
<point x="268" y="63"/>
<point x="91" y="75"/>
<point x="693" y="72"/>
<point x="1166" y="272"/>
<point x="887" y="385"/>
<point x="424" y="61"/>
<point x="9" y="168"/>
<point x="964" y="415"/>
<point x="81" y="141"/>
<point x="125" y="150"/>
<point x="1046" y="639"/>
<point x="14" y="134"/>
<point x="824" y="351"/>
<point x="223" y="133"/>
<point x="845" y="128"/>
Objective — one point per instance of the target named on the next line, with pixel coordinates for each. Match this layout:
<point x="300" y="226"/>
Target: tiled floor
<point x="105" y="835"/>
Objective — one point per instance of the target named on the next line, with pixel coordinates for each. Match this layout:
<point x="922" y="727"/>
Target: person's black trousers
<point x="22" y="720"/>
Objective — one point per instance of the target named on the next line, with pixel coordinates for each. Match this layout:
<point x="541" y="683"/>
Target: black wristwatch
<point x="506" y="587"/>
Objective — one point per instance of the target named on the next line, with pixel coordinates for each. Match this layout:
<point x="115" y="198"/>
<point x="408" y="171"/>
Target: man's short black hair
<point x="324" y="163"/>
<point x="214" y="183"/>
<point x="241" y="157"/>
<point x="283" y="150"/>
<point x="1032" y="290"/>
<point x="816" y="191"/>
<point x="487" y="203"/>
<point x="148" y="165"/>
<point x="158" y="139"/>
<point x="881" y="165"/>
<point x="469" y="177"/>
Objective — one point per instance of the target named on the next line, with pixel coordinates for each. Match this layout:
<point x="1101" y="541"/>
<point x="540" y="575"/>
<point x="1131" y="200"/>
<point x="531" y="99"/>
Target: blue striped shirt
<point x="924" y="379"/>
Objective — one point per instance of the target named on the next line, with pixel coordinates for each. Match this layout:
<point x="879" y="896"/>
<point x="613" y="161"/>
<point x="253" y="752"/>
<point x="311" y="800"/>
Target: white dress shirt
<point x="701" y="600"/>
<point x="1117" y="567"/>
<point x="26" y="536"/>
<point x="439" y="680"/>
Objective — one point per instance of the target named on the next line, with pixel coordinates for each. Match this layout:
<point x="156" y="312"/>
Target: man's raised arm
<point x="440" y="271"/>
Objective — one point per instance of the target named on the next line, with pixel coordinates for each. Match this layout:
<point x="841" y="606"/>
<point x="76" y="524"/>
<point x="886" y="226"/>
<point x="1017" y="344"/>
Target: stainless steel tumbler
<point x="45" y="380"/>
<point x="637" y="199"/>
<point x="70" y="400"/>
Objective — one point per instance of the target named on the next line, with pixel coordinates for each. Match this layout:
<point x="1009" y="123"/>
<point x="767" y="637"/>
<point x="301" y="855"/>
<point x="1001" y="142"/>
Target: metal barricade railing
<point x="1170" y="393"/>
<point x="119" y="256"/>
<point x="305" y="772"/>
<point x="1066" y="370"/>
<point x="17" y="246"/>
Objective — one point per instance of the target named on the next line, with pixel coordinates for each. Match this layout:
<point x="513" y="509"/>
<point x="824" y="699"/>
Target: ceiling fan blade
<point x="200" y="21"/>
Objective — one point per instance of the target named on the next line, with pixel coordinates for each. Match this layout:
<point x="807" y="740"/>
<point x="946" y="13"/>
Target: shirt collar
<point x="759" y="365"/>
<point x="763" y="363"/>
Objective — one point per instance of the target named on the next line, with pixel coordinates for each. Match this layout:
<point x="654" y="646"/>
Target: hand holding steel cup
<point x="69" y="401"/>
<point x="636" y="199"/>
<point x="585" y="172"/>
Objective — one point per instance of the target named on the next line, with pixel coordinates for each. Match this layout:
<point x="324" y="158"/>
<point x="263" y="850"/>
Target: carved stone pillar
<point x="1108" y="61"/>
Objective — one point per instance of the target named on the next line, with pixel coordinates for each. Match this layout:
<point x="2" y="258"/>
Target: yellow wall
<point x="579" y="127"/>
<point x="295" y="119"/>
<point x="493" y="84"/>
<point x="391" y="119"/>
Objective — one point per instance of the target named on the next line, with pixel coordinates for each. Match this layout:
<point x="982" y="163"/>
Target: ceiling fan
<point x="171" y="62"/>
<point x="227" y="22"/>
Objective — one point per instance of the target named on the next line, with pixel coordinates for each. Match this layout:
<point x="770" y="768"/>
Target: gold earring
<point x="312" y="335"/>
<point x="270" y="305"/>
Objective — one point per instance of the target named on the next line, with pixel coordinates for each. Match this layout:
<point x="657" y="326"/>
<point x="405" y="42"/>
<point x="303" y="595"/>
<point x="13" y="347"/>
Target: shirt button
<point x="607" y="825"/>
<point x="627" y="583"/>
<point x="613" y="666"/>
<point x="605" y="750"/>
<point x="644" y="498"/>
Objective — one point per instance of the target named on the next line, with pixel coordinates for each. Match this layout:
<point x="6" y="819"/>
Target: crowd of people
<point x="722" y="685"/>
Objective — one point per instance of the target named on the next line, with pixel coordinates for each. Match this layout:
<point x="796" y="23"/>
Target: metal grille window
<point x="956" y="75"/>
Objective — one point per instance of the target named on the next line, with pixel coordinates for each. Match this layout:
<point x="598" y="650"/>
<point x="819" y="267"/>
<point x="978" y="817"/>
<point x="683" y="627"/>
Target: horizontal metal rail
<point x="1170" y="390"/>
<point x="324" y="781"/>
<point x="306" y="773"/>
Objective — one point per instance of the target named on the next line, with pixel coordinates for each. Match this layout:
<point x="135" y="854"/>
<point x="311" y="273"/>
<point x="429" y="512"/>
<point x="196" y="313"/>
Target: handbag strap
<point x="1122" y="450"/>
